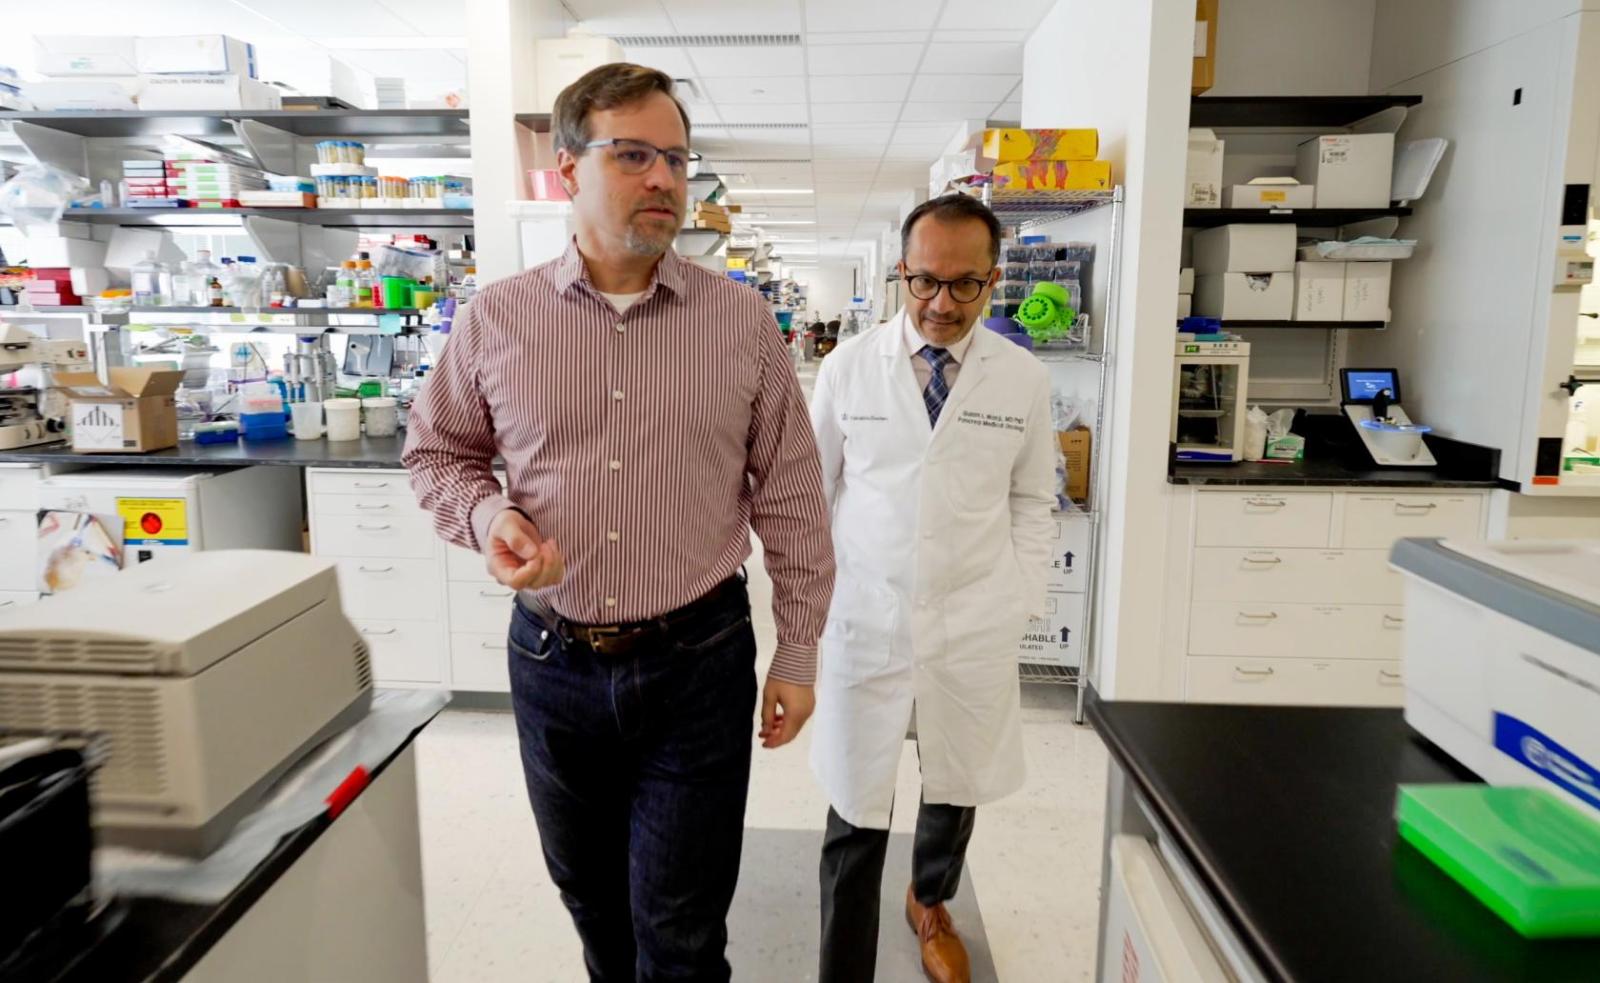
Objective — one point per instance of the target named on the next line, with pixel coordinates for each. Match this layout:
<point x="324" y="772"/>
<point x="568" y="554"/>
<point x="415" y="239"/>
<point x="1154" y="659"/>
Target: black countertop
<point x="368" y="452"/>
<point x="1287" y="815"/>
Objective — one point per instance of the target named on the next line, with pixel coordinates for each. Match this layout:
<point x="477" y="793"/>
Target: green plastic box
<point x="1526" y="853"/>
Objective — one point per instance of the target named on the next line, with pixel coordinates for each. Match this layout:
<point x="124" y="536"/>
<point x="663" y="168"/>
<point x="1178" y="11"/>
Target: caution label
<point x="154" y="521"/>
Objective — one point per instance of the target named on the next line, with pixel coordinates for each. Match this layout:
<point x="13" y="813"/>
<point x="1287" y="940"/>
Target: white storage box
<point x="58" y="252"/>
<point x="1069" y="556"/>
<point x="161" y="92"/>
<point x="1055" y="639"/>
<point x="84" y="54"/>
<point x="1186" y="280"/>
<point x="1245" y="249"/>
<point x="1202" y="181"/>
<point x="1349" y="170"/>
<point x="119" y="92"/>
<point x="1319" y="291"/>
<point x="1245" y="296"/>
<point x="195" y="53"/>
<point x="1186" y="305"/>
<point x="1269" y="194"/>
<point x="1502" y="658"/>
<point x="559" y="62"/>
<point x="1366" y="291"/>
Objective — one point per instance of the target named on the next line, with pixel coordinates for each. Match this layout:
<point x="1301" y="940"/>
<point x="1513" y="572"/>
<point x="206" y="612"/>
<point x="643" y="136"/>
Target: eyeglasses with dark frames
<point x="963" y="290"/>
<point x="636" y="156"/>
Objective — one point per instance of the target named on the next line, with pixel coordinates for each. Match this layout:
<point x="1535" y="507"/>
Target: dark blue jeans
<point x="637" y="768"/>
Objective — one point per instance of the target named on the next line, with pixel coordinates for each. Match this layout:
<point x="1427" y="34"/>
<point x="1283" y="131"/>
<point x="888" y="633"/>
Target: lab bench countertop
<point x="368" y="452"/>
<point x="1332" y="472"/>
<point x="1286" y="815"/>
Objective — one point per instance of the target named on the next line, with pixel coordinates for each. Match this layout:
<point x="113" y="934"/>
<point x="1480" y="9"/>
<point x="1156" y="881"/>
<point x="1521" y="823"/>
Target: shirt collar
<point x="571" y="270"/>
<point x="915" y="341"/>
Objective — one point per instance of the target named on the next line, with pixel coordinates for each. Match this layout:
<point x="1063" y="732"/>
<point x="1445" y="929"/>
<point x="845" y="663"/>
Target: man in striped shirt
<point x="648" y="417"/>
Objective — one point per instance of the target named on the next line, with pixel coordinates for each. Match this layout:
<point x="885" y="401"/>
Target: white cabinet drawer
<point x="1282" y="519"/>
<point x="1302" y="631"/>
<point x="1325" y="682"/>
<point x="10" y="600"/>
<point x="479" y="662"/>
<point x="1306" y="576"/>
<point x="465" y="566"/>
<point x="365" y="506"/>
<point x="483" y="609"/>
<point x="18" y="536"/>
<point x="1376" y="521"/>
<point x="378" y="536"/>
<point x="405" y="651"/>
<point x="360" y="482"/>
<point x="19" y="489"/>
<point x="406" y="590"/>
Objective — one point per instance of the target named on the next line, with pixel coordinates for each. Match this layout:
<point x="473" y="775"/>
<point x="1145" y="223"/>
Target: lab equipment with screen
<point x="1210" y="381"/>
<point x="1371" y="401"/>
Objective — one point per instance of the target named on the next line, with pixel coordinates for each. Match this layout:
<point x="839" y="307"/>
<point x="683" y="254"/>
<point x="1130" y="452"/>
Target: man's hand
<point x="518" y="557"/>
<point x="785" y="708"/>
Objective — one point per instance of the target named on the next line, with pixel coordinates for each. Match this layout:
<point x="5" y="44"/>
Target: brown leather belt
<point x="619" y="639"/>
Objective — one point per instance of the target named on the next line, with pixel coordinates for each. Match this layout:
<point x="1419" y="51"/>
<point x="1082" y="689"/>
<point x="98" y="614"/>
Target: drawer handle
<point x="1393" y="623"/>
<point x="1241" y="670"/>
<point x="378" y="631"/>
<point x="372" y="484"/>
<point x="373" y="527"/>
<point x="373" y="508"/>
<point x="6" y="604"/>
<point x="1387" y="674"/>
<point x="1419" y="506"/>
<point x="1264" y="503"/>
<point x="494" y="593"/>
<point x="1264" y="561"/>
<point x="366" y="569"/>
<point x="1269" y="616"/>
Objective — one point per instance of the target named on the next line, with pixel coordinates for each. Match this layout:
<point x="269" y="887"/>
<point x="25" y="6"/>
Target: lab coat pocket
<point x="981" y="633"/>
<point x="860" y="636"/>
<point x="980" y="477"/>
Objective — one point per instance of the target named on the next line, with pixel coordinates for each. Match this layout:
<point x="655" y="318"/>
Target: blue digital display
<point x="1362" y="385"/>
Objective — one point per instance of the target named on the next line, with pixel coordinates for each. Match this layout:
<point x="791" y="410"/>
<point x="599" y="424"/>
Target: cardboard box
<point x="1269" y="194"/>
<point x="133" y="411"/>
<point x="1185" y="305"/>
<point x="1244" y="248"/>
<point x="1349" y="170"/>
<point x="1203" y="173"/>
<point x="1075" y="446"/>
<point x="1204" y="75"/>
<point x="1186" y="280"/>
<point x="58" y="55"/>
<point x="1318" y="291"/>
<point x="60" y="95"/>
<point x="1245" y="296"/>
<point x="1055" y="639"/>
<point x="1069" y="556"/>
<point x="63" y="251"/>
<point x="190" y="54"/>
<point x="1013" y="144"/>
<point x="1052" y="175"/>
<point x="1366" y="291"/>
<point x="162" y="92"/>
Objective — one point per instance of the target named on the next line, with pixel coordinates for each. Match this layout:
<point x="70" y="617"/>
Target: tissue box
<point x="1245" y="296"/>
<point x="1366" y="291"/>
<point x="1319" y="291"/>
<point x="188" y="54"/>
<point x="1289" y="447"/>
<point x="1245" y="249"/>
<point x="1349" y="170"/>
<point x="1203" y="175"/>
<point x="207" y="92"/>
<point x="84" y="54"/>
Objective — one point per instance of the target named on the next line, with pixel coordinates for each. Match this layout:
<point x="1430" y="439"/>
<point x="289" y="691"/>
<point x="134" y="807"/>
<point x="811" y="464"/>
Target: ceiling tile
<point x="749" y="63"/>
<point x="794" y="112"/>
<point x="862" y="59"/>
<point x="925" y="132"/>
<point x="981" y="34"/>
<point x="953" y="112"/>
<point x="732" y="17"/>
<point x="317" y="18"/>
<point x="968" y="88"/>
<point x="975" y="57"/>
<point x="901" y="16"/>
<point x="854" y="112"/>
<point x="860" y="37"/>
<point x="1023" y="15"/>
<point x="850" y="88"/>
<point x="618" y="17"/>
<point x="830" y="151"/>
<point x="733" y="91"/>
<point x="673" y="61"/>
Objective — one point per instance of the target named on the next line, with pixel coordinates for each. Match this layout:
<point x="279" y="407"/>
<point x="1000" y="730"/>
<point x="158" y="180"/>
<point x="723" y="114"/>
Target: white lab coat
<point x="941" y="539"/>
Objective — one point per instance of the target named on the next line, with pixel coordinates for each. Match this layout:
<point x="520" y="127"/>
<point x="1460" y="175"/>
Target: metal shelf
<point x="1027" y="208"/>
<point x="305" y="123"/>
<point x="1205" y="218"/>
<point x="1289" y="112"/>
<point x="1048" y="675"/>
<point x="280" y="320"/>
<point x="339" y="218"/>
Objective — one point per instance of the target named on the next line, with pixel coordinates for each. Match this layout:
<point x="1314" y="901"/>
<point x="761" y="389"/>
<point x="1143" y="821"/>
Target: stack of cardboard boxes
<point x="187" y="72"/>
<point x="1014" y="159"/>
<point x="1250" y="273"/>
<point x="709" y="215"/>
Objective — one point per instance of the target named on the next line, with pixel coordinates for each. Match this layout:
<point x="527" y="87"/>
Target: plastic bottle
<point x="366" y="283"/>
<point x="273" y="286"/>
<point x="146" y="276"/>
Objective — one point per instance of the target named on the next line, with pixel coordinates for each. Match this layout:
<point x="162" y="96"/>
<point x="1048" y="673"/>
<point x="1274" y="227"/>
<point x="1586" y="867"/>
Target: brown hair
<point x="607" y="87"/>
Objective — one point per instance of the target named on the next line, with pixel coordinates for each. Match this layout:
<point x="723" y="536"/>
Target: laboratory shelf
<point x="1290" y="112"/>
<point x="300" y="122"/>
<point x="1049" y="675"/>
<point x="1205" y="218"/>
<point x="537" y="122"/>
<point x="278" y="320"/>
<point x="337" y="218"/>
<point x="1310" y="325"/>
<point x="1027" y="209"/>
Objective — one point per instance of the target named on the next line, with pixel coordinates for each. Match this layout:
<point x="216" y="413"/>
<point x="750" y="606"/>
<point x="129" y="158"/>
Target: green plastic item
<point x="370" y="389"/>
<point x="1047" y="313"/>
<point x="1527" y="854"/>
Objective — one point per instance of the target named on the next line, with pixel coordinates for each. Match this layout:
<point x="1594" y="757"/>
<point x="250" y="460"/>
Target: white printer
<point x="1502" y="658"/>
<point x="208" y="675"/>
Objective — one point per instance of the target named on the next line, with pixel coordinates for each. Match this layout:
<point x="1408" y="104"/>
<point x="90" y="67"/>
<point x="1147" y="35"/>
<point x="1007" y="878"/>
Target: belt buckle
<point x="600" y="634"/>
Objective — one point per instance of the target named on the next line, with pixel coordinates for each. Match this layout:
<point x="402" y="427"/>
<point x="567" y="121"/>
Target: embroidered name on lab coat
<point x="973" y="418"/>
<point x="868" y="417"/>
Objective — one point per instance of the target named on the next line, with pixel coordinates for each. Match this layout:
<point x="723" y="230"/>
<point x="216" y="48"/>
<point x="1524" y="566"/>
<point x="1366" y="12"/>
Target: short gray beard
<point x="641" y="244"/>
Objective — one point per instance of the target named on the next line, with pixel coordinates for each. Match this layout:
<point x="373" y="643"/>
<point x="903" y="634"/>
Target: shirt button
<point x="621" y="328"/>
<point x="613" y="535"/>
<point x="611" y="602"/>
<point x="616" y="394"/>
<point x="616" y="465"/>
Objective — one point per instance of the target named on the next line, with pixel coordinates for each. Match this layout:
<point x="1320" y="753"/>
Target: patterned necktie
<point x="937" y="390"/>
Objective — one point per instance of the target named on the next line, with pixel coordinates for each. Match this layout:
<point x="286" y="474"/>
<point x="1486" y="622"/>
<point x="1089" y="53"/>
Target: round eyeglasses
<point x="963" y="290"/>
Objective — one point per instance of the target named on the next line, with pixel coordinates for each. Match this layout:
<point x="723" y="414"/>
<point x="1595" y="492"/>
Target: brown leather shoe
<point x="944" y="958"/>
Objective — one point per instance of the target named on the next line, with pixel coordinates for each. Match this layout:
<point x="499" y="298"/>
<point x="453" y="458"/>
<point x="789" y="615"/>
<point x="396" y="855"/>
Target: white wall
<point x="1123" y="66"/>
<point x="827" y="288"/>
<point x="1418" y="36"/>
<point x="1293" y="47"/>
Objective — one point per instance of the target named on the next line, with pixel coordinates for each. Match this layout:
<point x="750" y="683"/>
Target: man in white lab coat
<point x="938" y="459"/>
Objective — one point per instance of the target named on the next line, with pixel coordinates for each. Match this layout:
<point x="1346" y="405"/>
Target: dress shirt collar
<point x="915" y="341"/>
<point x="570" y="269"/>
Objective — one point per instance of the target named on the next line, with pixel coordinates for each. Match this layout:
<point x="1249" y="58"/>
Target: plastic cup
<point x="383" y="416"/>
<point x="396" y="293"/>
<point x="344" y="419"/>
<point x="307" y="419"/>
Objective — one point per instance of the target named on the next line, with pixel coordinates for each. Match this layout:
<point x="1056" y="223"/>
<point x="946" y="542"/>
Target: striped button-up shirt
<point x="647" y="444"/>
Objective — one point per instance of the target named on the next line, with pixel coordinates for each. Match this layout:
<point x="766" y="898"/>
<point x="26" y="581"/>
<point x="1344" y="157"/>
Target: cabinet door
<point x="1376" y="521"/>
<point x="406" y="651"/>
<point x="389" y="588"/>
<point x="398" y="536"/>
<point x="479" y="662"/>
<point x="1307" y="682"/>
<point x="1295" y="575"/>
<point x="1302" y="631"/>
<point x="481" y="608"/>
<point x="1281" y="519"/>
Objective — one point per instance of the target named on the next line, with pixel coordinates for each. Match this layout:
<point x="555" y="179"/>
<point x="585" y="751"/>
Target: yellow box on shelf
<point x="1052" y="175"/>
<point x="1013" y="144"/>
